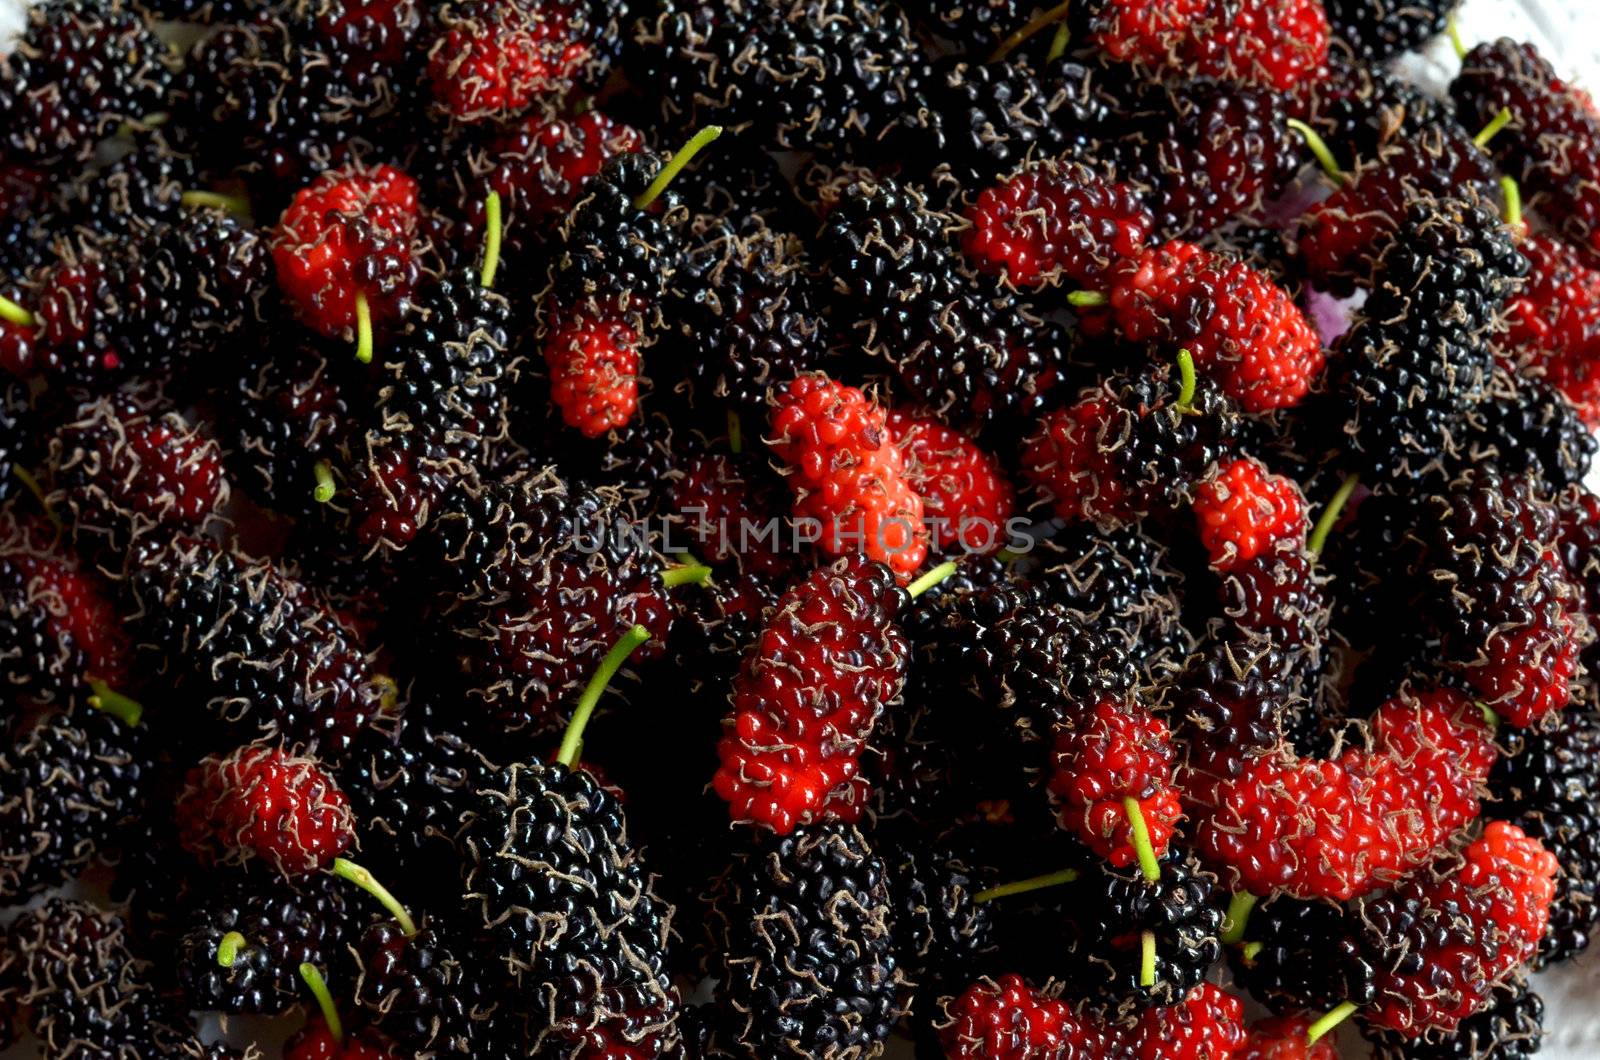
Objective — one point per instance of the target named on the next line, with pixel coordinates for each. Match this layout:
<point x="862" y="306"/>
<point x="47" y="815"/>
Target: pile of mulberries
<point x="829" y="529"/>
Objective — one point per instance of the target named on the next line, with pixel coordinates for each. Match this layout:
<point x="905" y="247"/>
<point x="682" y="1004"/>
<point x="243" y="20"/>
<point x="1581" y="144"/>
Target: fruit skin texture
<point x="1553" y="322"/>
<point x="1007" y="1019"/>
<point x="1204" y="153"/>
<point x="1340" y="828"/>
<point x="84" y="991"/>
<point x="58" y="623"/>
<point x="1501" y="894"/>
<point x="68" y="787"/>
<point x="210" y="617"/>
<point x="260" y="802"/>
<point x="964" y="492"/>
<point x="426" y="993"/>
<point x="1284" y="1038"/>
<point x="125" y="468"/>
<point x="807" y="967"/>
<point x="1511" y="1028"/>
<point x="348" y="232"/>
<point x="847" y="474"/>
<point x="79" y="70"/>
<point x="1117" y="752"/>
<point x="497" y="59"/>
<point x="1055" y="223"/>
<point x="1499" y="596"/>
<point x="594" y="372"/>
<point x="1244" y="511"/>
<point x="1208" y="1025"/>
<point x="808" y="696"/>
<point x="567" y="905"/>
<point x="1234" y="320"/>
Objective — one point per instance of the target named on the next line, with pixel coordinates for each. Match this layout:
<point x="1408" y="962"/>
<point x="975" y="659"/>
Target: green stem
<point x="349" y="870"/>
<point x="573" y="739"/>
<point x="1033" y="883"/>
<point x="1253" y="948"/>
<point x="735" y="433"/>
<point x="1335" y="1016"/>
<point x="1058" y="44"/>
<point x="1498" y="122"/>
<point x="1490" y="718"/>
<point x="228" y="949"/>
<point x="319" y="990"/>
<point x="1149" y="864"/>
<point x="685" y="574"/>
<point x="1147" y="959"/>
<point x="1456" y="42"/>
<point x="1319" y="149"/>
<point x="31" y="484"/>
<point x="1237" y="917"/>
<point x="1330" y="514"/>
<point x="491" y="238"/>
<point x="1187" y="376"/>
<point x="237" y="205"/>
<point x="1084" y="299"/>
<point x="363" y="329"/>
<point x="12" y="313"/>
<point x="932" y="578"/>
<point x="107" y="699"/>
<point x="325" y="485"/>
<point x="1513" y="196"/>
<point x="675" y="165"/>
<point x="1034" y="25"/>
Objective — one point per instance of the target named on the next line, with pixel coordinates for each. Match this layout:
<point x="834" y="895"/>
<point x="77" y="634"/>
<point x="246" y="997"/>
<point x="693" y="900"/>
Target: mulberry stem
<point x="1149" y="864"/>
<point x="12" y="313"/>
<point x="1033" y="883"/>
<point x="229" y="948"/>
<point x="1084" y="299"/>
<point x="1319" y="149"/>
<point x="362" y="878"/>
<point x="1037" y="23"/>
<point x="1456" y="42"/>
<point x="237" y="205"/>
<point x="105" y="698"/>
<point x="1251" y="949"/>
<point x="1058" y="44"/>
<point x="735" y="433"/>
<point x="325" y="486"/>
<point x="363" y="329"/>
<point x="1513" y="196"/>
<point x="319" y="990"/>
<point x="31" y="484"/>
<point x="1187" y="377"/>
<point x="1147" y="959"/>
<point x="1498" y="122"/>
<point x="932" y="578"/>
<point x="1335" y="1016"/>
<point x="624" y="647"/>
<point x="1330" y="515"/>
<point x="1237" y="916"/>
<point x="675" y="165"/>
<point x="685" y="574"/>
<point x="491" y="239"/>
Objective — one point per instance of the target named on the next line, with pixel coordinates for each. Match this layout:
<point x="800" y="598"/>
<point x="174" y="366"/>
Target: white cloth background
<point x="1568" y="31"/>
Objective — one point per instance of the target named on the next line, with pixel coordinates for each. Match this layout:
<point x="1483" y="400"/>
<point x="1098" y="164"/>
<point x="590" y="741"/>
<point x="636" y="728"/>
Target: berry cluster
<point x="815" y="529"/>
